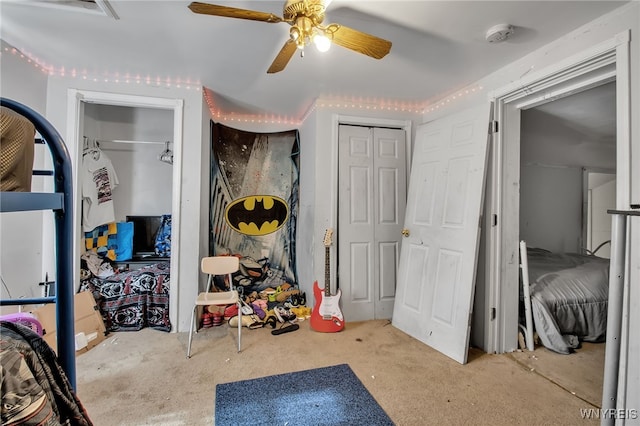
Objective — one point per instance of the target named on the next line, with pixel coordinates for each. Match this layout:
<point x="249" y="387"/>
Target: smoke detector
<point x="499" y="33"/>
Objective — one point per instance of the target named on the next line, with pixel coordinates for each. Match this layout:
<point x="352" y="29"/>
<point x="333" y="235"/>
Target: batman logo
<point x="257" y="214"/>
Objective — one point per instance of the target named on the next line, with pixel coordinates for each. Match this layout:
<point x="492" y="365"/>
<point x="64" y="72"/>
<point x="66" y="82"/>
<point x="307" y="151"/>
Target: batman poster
<point x="254" y="203"/>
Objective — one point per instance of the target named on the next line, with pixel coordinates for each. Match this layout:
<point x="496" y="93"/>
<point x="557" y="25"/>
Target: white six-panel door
<point x="371" y="203"/>
<point x="436" y="274"/>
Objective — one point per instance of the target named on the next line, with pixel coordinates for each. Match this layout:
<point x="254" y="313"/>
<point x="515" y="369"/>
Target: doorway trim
<point x="598" y="65"/>
<point x="587" y="203"/>
<point x="75" y="99"/>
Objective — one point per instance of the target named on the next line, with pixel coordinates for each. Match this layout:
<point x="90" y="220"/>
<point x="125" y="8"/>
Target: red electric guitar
<point x="326" y="316"/>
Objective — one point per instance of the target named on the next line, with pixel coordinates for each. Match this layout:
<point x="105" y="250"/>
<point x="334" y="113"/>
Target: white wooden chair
<point x="217" y="265"/>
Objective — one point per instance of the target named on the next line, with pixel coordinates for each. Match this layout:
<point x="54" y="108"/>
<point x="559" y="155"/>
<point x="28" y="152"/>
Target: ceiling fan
<point x="305" y="18"/>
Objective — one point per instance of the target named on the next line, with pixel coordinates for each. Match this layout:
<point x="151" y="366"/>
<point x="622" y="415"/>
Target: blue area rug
<point x="321" y="396"/>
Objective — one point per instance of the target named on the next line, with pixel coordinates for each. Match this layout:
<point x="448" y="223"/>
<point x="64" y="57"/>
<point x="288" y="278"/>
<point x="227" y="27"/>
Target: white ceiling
<point x="591" y="113"/>
<point x="438" y="47"/>
<point x="574" y="131"/>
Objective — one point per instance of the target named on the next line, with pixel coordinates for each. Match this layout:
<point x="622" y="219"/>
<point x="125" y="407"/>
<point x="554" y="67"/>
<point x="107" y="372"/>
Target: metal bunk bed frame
<point x="61" y="202"/>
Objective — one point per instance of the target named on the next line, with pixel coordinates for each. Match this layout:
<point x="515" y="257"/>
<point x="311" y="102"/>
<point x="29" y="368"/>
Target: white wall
<point x="550" y="142"/>
<point x="145" y="182"/>
<point x="21" y="81"/>
<point x="309" y="186"/>
<point x="22" y="251"/>
<point x="551" y="208"/>
<point x="205" y="183"/>
<point x="552" y="158"/>
<point x="121" y="122"/>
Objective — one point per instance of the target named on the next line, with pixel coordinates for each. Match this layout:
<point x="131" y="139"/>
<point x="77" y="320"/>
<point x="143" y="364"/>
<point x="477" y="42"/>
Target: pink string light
<point x="180" y="83"/>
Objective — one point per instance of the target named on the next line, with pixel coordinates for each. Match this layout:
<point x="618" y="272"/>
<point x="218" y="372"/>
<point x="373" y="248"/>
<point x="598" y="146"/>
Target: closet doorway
<point x="372" y="191"/>
<point x="143" y="138"/>
<point x="599" y="65"/>
<point x="563" y="215"/>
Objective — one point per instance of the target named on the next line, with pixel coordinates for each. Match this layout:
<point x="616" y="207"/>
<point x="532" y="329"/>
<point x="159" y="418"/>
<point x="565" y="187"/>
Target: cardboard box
<point x="89" y="327"/>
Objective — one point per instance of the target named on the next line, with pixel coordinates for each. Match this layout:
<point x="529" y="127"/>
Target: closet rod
<point x="132" y="141"/>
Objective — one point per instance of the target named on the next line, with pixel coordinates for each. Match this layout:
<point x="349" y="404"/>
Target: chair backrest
<point x="219" y="265"/>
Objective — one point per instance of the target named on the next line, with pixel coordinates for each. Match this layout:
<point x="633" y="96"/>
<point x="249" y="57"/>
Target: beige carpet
<point x="144" y="378"/>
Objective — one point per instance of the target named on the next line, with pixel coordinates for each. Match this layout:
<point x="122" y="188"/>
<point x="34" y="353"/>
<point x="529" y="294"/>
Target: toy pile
<point x="280" y="308"/>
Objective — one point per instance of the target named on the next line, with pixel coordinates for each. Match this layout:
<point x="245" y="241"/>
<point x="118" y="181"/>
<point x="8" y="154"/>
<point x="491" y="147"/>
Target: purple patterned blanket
<point x="132" y="300"/>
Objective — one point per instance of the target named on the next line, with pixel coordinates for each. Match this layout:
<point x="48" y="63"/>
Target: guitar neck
<point x="327" y="273"/>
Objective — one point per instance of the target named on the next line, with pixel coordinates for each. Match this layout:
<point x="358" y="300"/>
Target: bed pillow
<point x="124" y="238"/>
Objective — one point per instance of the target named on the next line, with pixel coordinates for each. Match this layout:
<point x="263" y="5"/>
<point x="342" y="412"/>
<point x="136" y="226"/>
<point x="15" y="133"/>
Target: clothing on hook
<point x="91" y="146"/>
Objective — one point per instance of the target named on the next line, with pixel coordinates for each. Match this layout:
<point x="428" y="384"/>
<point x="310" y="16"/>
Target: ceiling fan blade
<point x="283" y="57"/>
<point x="232" y="12"/>
<point x="361" y="42"/>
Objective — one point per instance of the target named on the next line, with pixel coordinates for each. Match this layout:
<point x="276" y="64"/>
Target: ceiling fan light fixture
<point x="294" y="33"/>
<point x="297" y="36"/>
<point x="322" y="42"/>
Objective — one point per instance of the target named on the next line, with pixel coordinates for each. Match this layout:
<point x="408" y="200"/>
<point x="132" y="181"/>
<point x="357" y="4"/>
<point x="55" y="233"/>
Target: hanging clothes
<point x="98" y="179"/>
<point x="163" y="237"/>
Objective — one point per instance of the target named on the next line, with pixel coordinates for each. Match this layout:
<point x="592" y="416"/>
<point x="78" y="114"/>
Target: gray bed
<point x="569" y="294"/>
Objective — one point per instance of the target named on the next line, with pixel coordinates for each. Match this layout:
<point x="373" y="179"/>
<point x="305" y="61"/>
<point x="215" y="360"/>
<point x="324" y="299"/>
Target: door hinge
<point x="493" y="127"/>
<point x="494" y="220"/>
<point x="492" y="313"/>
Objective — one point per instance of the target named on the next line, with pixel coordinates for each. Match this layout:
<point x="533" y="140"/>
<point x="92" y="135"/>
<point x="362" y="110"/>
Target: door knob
<point x="405" y="232"/>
